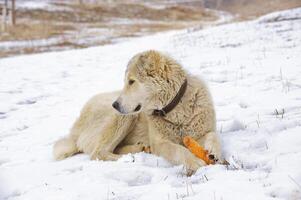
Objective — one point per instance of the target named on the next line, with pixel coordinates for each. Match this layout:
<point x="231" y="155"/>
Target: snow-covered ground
<point x="254" y="71"/>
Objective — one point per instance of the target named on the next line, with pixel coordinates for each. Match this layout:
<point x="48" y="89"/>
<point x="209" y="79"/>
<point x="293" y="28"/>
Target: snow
<point x="34" y="4"/>
<point x="49" y="5"/>
<point x="253" y="70"/>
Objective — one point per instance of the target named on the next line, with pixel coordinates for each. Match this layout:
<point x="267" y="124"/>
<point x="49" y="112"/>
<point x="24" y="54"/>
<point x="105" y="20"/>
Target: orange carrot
<point x="197" y="150"/>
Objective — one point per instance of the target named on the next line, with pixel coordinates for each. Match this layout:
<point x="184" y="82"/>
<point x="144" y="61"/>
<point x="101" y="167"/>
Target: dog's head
<point x="151" y="79"/>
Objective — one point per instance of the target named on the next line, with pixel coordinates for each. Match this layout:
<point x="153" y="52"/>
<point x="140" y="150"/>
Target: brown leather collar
<point x="174" y="102"/>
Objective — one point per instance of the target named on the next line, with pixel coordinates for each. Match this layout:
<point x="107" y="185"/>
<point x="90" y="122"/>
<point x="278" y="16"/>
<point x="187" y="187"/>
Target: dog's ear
<point x="155" y="64"/>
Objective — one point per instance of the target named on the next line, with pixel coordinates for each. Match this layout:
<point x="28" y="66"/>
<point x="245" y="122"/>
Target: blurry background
<point x="30" y="26"/>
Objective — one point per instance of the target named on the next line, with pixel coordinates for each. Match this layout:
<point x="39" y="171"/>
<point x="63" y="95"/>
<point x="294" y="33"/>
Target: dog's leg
<point x="211" y="142"/>
<point x="175" y="153"/>
<point x="64" y="148"/>
<point x="111" y="135"/>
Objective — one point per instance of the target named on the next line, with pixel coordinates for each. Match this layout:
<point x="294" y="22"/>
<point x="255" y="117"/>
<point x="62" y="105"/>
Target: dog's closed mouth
<point x="137" y="108"/>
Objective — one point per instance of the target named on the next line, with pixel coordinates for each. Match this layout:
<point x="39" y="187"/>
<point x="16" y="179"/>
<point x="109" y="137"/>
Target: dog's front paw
<point x="105" y="156"/>
<point x="145" y="148"/>
<point x="193" y="164"/>
<point x="96" y="156"/>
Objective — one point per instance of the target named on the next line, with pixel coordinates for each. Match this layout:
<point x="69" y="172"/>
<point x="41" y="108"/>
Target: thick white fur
<point x="104" y="134"/>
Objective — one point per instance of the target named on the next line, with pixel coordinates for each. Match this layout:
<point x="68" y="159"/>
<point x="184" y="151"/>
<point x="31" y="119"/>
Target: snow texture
<point x="253" y="70"/>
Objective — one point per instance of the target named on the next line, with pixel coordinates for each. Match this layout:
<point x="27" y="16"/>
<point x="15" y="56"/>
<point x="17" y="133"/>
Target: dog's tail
<point x="64" y="148"/>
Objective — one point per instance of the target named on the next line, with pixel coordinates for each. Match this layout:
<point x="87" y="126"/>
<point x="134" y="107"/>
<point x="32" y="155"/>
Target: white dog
<point x="159" y="105"/>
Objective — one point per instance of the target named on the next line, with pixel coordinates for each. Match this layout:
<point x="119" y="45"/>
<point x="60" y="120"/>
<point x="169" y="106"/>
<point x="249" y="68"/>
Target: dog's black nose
<point x="137" y="108"/>
<point x="116" y="105"/>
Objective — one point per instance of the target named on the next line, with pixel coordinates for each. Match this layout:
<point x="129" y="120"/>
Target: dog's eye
<point x="131" y="82"/>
